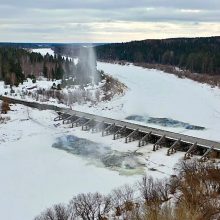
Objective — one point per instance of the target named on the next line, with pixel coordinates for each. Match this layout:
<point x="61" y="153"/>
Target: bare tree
<point x="126" y="203"/>
<point x="90" y="207"/>
<point x="57" y="212"/>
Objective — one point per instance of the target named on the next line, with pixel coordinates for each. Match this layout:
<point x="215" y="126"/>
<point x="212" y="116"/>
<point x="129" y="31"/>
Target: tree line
<point x="17" y="64"/>
<point x="200" y="55"/>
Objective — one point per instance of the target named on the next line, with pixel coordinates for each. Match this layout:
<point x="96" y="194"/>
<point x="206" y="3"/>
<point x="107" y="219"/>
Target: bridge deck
<point x="146" y="129"/>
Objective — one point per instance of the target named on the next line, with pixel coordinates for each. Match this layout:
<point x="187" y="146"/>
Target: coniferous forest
<point x="200" y="55"/>
<point x="17" y="64"/>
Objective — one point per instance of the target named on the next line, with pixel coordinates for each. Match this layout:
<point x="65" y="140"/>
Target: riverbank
<point x="212" y="80"/>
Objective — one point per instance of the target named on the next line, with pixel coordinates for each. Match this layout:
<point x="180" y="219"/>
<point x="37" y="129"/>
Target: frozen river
<point x="37" y="171"/>
<point x="152" y="93"/>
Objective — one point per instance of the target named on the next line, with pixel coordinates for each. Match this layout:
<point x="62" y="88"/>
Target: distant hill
<point x="45" y="45"/>
<point x="200" y="55"/>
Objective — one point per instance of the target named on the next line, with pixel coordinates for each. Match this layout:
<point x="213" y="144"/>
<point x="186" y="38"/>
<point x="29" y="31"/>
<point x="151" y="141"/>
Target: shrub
<point x="5" y="106"/>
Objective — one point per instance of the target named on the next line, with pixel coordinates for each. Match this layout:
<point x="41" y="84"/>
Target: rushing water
<point x="165" y="122"/>
<point x="126" y="163"/>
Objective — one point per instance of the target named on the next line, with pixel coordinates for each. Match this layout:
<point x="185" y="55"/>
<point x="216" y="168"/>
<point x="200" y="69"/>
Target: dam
<point x="131" y="132"/>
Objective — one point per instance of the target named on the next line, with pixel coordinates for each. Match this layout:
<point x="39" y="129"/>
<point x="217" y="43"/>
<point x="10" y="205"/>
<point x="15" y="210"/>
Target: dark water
<point x="165" y="122"/>
<point x="98" y="154"/>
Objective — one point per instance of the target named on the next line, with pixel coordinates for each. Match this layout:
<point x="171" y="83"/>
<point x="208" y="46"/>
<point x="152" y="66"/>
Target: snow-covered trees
<point x="16" y="64"/>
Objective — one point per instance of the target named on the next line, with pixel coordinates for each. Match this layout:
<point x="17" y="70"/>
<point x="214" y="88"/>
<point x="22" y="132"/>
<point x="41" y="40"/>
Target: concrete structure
<point x="132" y="132"/>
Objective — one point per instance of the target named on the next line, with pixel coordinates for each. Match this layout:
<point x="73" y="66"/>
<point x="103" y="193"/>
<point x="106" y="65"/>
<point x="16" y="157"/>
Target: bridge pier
<point x="69" y="119"/>
<point x="132" y="136"/>
<point x="143" y="141"/>
<point x="159" y="143"/>
<point x="109" y="130"/>
<point x="61" y="116"/>
<point x="118" y="134"/>
<point x="99" y="126"/>
<point x="174" y="147"/>
<point x="78" y="122"/>
<point x="86" y="126"/>
<point x="189" y="153"/>
<point x="206" y="155"/>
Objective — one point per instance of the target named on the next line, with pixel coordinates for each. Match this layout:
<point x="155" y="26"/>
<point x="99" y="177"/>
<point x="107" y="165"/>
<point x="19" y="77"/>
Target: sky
<point x="73" y="21"/>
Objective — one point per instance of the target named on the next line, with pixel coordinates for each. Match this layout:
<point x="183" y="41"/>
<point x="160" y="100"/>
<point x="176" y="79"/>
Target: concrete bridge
<point x="132" y="132"/>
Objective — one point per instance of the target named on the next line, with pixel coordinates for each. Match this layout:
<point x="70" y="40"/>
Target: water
<point x="126" y="163"/>
<point x="164" y="122"/>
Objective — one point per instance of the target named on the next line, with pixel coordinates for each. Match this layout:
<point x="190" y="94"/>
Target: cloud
<point x="106" y="20"/>
<point x="113" y="4"/>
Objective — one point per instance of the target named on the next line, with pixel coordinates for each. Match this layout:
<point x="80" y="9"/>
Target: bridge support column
<point x="174" y="147"/>
<point x="98" y="127"/>
<point x="159" y="143"/>
<point x="86" y="126"/>
<point x="145" y="139"/>
<point x="131" y="136"/>
<point x="62" y="116"/>
<point x="109" y="130"/>
<point x="69" y="119"/>
<point x="189" y="153"/>
<point x="206" y="155"/>
<point x="119" y="133"/>
<point x="78" y="122"/>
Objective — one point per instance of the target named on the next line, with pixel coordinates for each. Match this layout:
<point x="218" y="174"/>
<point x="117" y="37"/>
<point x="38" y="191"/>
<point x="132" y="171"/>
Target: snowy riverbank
<point x="36" y="175"/>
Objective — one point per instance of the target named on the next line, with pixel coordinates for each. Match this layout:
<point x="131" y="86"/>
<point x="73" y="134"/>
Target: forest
<point x="199" y="55"/>
<point x="17" y="64"/>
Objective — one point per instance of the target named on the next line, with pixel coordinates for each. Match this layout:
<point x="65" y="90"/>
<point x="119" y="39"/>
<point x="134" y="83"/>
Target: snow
<point x="44" y="51"/>
<point x="158" y="94"/>
<point x="35" y="175"/>
<point x="153" y="93"/>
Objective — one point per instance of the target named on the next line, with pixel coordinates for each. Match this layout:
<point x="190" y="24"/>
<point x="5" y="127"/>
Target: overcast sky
<point x="106" y="20"/>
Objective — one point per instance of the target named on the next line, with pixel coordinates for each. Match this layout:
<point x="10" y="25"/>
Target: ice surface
<point x="126" y="163"/>
<point x="35" y="175"/>
<point x="164" y="122"/>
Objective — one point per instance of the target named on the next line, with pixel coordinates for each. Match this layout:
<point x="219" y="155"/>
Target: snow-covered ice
<point x="161" y="95"/>
<point x="34" y="175"/>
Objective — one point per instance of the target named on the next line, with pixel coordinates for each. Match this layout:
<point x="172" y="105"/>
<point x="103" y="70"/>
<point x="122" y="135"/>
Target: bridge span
<point x="132" y="132"/>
